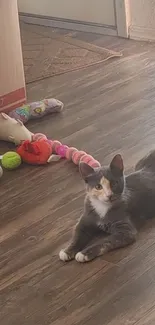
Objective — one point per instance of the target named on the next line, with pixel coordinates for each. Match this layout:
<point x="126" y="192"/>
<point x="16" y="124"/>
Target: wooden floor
<point x="109" y="108"/>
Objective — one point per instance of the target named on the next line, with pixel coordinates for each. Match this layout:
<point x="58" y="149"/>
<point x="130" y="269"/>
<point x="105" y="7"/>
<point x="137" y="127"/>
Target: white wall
<point x="95" y="11"/>
<point x="142" y="19"/>
<point x="11" y="63"/>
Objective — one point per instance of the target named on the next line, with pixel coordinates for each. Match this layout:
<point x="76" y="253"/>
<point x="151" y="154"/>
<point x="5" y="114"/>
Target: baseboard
<point x="68" y="24"/>
<point x="12" y="100"/>
<point x="142" y="33"/>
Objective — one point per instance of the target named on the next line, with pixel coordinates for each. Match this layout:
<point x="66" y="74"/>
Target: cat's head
<point x="104" y="183"/>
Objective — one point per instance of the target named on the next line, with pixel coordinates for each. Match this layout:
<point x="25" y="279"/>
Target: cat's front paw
<point x="64" y="256"/>
<point x="81" y="258"/>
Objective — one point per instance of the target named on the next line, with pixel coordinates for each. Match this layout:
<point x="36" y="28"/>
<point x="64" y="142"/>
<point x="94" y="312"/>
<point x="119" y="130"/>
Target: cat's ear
<point x="85" y="170"/>
<point x="117" y="166"/>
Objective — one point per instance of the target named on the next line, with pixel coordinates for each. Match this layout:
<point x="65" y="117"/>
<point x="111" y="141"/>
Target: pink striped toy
<point x="70" y="153"/>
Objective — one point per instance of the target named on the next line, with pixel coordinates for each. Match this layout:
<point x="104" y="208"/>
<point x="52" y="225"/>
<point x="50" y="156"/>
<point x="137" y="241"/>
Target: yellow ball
<point x="11" y="160"/>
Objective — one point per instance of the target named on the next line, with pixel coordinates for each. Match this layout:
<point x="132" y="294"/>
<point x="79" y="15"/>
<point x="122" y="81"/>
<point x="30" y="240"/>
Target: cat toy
<point x="10" y="160"/>
<point x="41" y="150"/>
<point x="73" y="154"/>
<point x="36" y="110"/>
<point x="12" y="126"/>
<point x="37" y="152"/>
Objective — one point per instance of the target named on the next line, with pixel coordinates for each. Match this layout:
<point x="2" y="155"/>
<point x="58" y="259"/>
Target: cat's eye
<point x="98" y="187"/>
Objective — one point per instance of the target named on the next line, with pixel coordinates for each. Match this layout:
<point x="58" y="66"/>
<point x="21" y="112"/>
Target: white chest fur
<point x="100" y="207"/>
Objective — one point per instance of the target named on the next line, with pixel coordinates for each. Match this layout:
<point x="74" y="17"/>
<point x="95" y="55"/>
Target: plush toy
<point x="13" y="130"/>
<point x="40" y="150"/>
<point x="37" y="152"/>
<point x="37" y="110"/>
<point x="11" y="160"/>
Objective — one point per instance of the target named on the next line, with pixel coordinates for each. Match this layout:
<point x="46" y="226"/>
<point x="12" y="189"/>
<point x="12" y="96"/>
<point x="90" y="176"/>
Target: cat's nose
<point x="110" y="196"/>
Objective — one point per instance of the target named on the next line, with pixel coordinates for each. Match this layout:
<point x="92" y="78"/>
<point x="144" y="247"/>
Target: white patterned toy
<point x="13" y="130"/>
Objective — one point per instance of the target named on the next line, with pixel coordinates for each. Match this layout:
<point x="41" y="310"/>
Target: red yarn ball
<point x="35" y="153"/>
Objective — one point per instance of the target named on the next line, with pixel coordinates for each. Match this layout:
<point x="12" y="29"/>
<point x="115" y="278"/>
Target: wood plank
<point x="108" y="108"/>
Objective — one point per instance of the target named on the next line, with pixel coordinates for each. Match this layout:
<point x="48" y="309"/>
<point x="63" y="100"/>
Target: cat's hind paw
<point x="64" y="256"/>
<point x="81" y="258"/>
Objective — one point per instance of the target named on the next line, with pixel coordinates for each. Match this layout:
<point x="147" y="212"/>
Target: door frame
<point x="121" y="9"/>
<point x="122" y="17"/>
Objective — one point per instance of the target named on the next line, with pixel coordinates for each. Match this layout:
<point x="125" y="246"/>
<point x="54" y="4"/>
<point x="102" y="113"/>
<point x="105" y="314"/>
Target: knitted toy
<point x="37" y="110"/>
<point x="37" y="152"/>
<point x="40" y="150"/>
<point x="73" y="154"/>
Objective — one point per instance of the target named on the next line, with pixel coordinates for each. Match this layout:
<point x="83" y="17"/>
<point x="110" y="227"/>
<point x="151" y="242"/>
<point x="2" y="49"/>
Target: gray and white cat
<point x="114" y="206"/>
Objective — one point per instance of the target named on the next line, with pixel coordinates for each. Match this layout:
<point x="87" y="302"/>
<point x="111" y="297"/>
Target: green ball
<point x="11" y="160"/>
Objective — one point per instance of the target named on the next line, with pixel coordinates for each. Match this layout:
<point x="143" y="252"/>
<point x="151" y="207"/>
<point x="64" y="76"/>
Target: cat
<point x="114" y="207"/>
